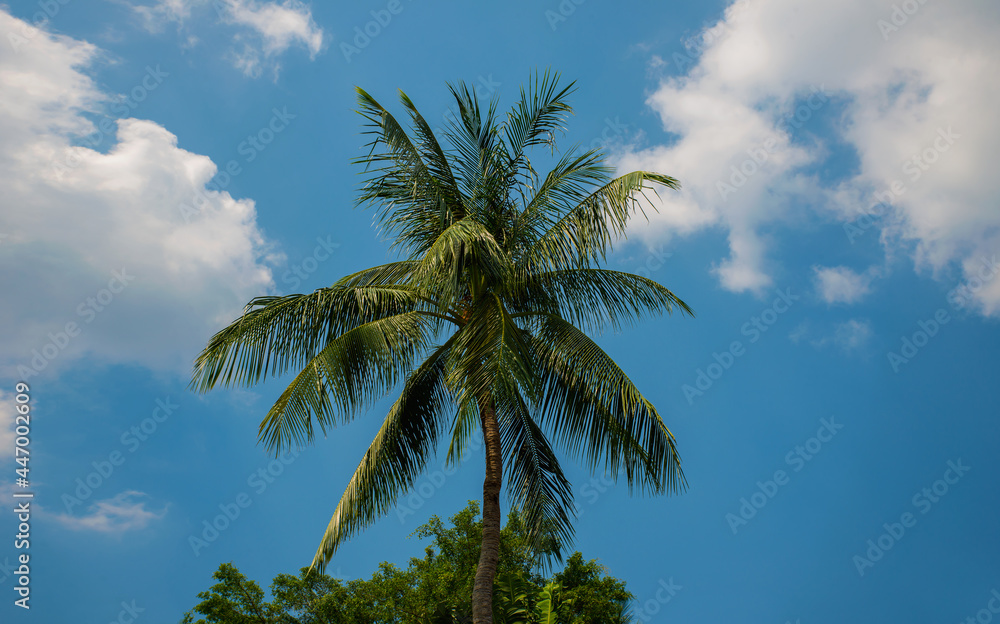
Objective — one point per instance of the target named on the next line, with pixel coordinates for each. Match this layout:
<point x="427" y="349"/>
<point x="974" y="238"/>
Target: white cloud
<point x="264" y="30"/>
<point x="7" y="415"/>
<point x="280" y="26"/>
<point x="922" y="90"/>
<point x="851" y="335"/>
<point x="75" y="216"/>
<point x="799" y="333"/>
<point x="742" y="270"/>
<point x="154" y="16"/>
<point x="841" y="284"/>
<point x="124" y="512"/>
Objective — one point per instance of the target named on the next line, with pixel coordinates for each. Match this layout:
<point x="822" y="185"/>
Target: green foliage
<point x="432" y="589"/>
<point x="590" y="596"/>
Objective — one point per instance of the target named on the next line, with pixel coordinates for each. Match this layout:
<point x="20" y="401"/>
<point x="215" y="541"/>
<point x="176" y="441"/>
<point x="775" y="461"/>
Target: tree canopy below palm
<point x="482" y="323"/>
<point x="434" y="588"/>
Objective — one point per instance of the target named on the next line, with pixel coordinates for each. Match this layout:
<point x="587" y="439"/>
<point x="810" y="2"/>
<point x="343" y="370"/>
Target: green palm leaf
<point x="396" y="457"/>
<point x="537" y="487"/>
<point x="593" y="298"/>
<point x="586" y="233"/>
<point x="353" y="370"/>
<point x="278" y="334"/>
<point x="415" y="202"/>
<point x="595" y="412"/>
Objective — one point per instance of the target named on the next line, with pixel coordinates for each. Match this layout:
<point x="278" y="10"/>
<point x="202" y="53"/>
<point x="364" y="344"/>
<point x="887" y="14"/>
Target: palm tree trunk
<point x="489" y="554"/>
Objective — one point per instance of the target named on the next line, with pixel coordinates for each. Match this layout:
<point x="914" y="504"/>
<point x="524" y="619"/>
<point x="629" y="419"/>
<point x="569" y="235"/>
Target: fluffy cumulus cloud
<point x="125" y="512"/>
<point x="280" y="26"/>
<point x="903" y="85"/>
<point x="841" y="284"/>
<point x="263" y="30"/>
<point x="99" y="257"/>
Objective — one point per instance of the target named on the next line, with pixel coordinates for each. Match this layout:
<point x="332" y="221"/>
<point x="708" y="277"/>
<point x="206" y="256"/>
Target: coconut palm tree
<point x="482" y="323"/>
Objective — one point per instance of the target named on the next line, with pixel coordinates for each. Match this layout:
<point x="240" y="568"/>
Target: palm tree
<point x="482" y="323"/>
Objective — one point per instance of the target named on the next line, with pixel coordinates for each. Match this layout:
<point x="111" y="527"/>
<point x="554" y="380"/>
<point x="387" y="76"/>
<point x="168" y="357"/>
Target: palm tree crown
<point x="483" y="323"/>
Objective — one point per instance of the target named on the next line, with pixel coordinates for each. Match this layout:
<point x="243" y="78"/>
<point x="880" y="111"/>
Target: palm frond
<point x="567" y="185"/>
<point x="488" y="350"/>
<point x="415" y="203"/>
<point x="390" y="274"/>
<point x="480" y="168"/>
<point x="534" y="121"/>
<point x="586" y="233"/>
<point x="280" y="333"/>
<point x="464" y="426"/>
<point x="538" y="115"/>
<point x="537" y="486"/>
<point x="352" y="371"/>
<point x="437" y="161"/>
<point x="396" y="456"/>
<point x="593" y="298"/>
<point x="595" y="412"/>
<point x="463" y="247"/>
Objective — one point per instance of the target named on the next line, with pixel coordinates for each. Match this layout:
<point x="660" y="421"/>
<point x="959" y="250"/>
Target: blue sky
<point x="837" y="234"/>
